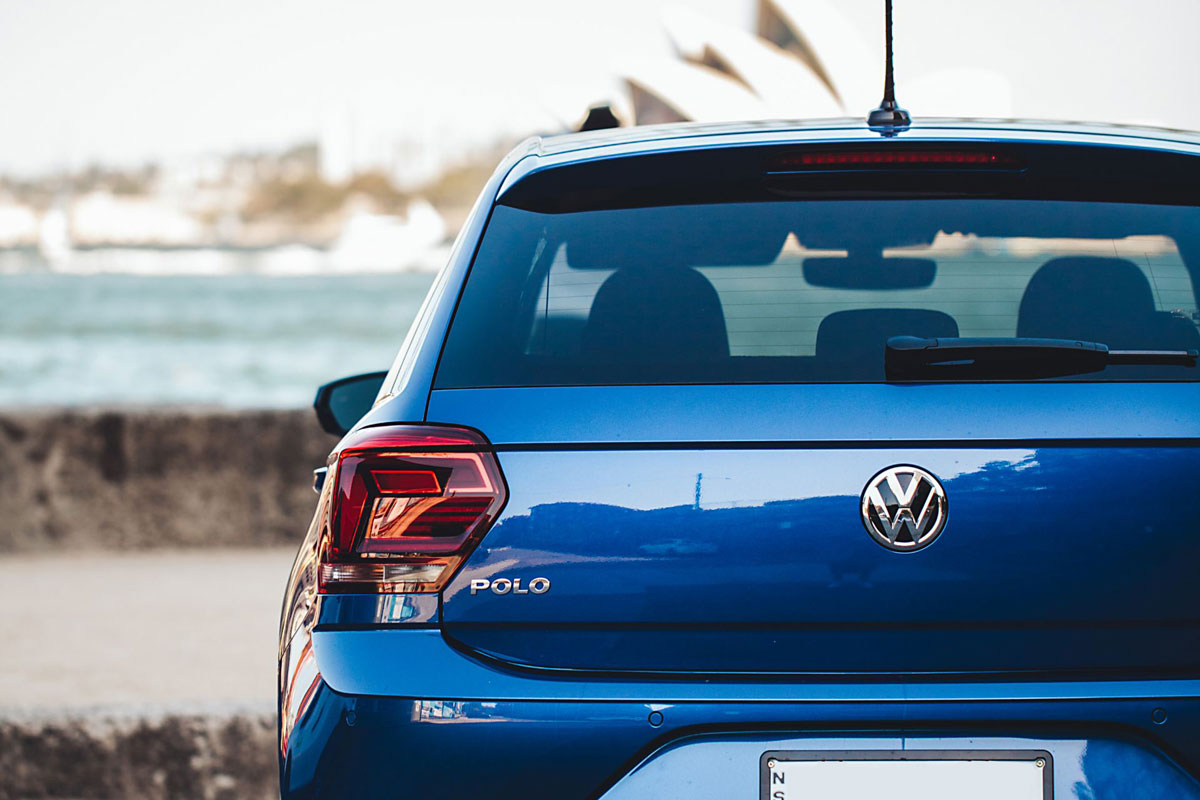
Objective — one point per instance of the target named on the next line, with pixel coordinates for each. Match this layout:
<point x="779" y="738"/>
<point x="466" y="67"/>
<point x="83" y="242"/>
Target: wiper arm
<point x="914" y="358"/>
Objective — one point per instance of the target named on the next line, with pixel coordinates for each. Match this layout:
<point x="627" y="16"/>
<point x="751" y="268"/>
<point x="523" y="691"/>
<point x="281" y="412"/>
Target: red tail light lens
<point x="891" y="158"/>
<point x="409" y="504"/>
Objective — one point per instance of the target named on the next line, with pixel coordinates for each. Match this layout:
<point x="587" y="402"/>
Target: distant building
<point x="18" y="224"/>
<point x="104" y="218"/>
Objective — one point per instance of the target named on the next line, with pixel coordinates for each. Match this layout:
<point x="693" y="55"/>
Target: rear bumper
<point x="372" y="747"/>
<point x="400" y="713"/>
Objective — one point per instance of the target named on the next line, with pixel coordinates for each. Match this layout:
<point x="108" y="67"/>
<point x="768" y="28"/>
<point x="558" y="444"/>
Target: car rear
<point x="644" y="512"/>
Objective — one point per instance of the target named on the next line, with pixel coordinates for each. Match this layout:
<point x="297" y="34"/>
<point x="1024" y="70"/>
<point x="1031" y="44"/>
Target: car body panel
<point x="421" y="663"/>
<point x="575" y="149"/>
<point x="717" y="767"/>
<point x="1055" y="613"/>
<point x="757" y="560"/>
<point x="865" y="415"/>
<point x="700" y="134"/>
<point x="364" y="746"/>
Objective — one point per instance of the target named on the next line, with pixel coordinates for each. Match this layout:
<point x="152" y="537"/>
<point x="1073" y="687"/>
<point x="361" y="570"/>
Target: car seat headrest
<point x="656" y="314"/>
<point x="1090" y="298"/>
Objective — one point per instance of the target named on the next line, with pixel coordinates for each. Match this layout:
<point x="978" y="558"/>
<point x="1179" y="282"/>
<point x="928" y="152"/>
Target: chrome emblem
<point x="507" y="585"/>
<point x="904" y="508"/>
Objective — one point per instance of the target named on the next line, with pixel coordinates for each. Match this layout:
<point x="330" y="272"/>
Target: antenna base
<point x="889" y="115"/>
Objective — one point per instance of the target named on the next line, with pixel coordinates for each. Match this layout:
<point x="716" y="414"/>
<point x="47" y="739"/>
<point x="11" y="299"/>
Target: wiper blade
<point x="914" y="358"/>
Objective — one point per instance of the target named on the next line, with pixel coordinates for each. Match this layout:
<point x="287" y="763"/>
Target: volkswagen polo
<point x="774" y="461"/>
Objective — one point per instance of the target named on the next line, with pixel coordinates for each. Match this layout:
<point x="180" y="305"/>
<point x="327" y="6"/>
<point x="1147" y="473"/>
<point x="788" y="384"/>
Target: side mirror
<point x="343" y="402"/>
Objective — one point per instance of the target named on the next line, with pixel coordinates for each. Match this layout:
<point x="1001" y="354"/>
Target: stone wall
<point x="158" y="756"/>
<point x="133" y="479"/>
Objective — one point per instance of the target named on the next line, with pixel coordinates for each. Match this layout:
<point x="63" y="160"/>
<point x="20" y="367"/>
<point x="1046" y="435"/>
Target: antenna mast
<point x="889" y="114"/>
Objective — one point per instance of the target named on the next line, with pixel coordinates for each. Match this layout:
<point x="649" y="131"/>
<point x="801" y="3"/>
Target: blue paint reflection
<point x="1039" y="546"/>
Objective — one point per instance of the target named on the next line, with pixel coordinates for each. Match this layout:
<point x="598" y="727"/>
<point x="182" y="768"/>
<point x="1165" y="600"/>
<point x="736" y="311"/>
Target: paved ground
<point x="156" y="630"/>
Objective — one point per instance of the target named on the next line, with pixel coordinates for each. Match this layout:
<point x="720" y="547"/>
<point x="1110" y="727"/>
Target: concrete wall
<point x="130" y="480"/>
<point x="210" y="756"/>
<point x="127" y="480"/>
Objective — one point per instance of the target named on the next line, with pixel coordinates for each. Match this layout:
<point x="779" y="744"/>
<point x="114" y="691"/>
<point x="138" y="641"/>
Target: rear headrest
<point x="664" y="314"/>
<point x="857" y="340"/>
<point x="1091" y="298"/>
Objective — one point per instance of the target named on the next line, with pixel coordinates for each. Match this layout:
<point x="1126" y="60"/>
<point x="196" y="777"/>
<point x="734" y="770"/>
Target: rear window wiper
<point x="914" y="358"/>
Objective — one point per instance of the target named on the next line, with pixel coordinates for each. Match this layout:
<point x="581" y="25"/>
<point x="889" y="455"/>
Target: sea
<point x="248" y="340"/>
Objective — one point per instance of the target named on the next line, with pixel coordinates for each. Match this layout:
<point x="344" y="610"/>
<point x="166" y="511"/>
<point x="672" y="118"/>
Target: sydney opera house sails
<point x="663" y="90"/>
<point x="822" y="69"/>
<point x="818" y="35"/>
<point x="778" y="81"/>
<point x="805" y="60"/>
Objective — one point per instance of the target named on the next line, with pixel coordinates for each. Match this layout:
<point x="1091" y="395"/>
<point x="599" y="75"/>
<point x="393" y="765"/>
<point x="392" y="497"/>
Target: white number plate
<point x="906" y="775"/>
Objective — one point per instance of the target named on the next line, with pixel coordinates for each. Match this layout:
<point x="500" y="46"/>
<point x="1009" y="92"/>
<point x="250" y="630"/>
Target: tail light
<point x="891" y="158"/>
<point x="409" y="503"/>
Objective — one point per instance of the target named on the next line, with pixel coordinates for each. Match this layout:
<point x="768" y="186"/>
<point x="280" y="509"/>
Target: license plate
<point x="906" y="775"/>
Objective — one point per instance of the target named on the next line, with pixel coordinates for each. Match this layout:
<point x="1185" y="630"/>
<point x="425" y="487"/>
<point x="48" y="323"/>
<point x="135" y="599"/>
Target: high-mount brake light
<point x="890" y="158"/>
<point x="408" y="504"/>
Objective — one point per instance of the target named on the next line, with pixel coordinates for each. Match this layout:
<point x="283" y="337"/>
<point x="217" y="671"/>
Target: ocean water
<point x="240" y="341"/>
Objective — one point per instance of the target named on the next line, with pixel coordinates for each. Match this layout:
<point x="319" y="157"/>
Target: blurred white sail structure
<point x="662" y="90"/>
<point x="805" y="60"/>
<point x="780" y="83"/>
<point x="823" y="39"/>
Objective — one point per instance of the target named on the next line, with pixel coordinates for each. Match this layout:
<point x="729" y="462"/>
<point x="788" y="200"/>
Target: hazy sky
<point x="132" y="80"/>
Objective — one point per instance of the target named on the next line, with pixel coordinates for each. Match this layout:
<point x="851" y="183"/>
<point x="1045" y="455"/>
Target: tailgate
<point x="720" y="529"/>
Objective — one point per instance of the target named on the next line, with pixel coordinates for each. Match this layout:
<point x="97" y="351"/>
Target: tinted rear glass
<point x="810" y="291"/>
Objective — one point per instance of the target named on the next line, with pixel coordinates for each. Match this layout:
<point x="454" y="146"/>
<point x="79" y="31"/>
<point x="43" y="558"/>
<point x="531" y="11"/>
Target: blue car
<point x="774" y="461"/>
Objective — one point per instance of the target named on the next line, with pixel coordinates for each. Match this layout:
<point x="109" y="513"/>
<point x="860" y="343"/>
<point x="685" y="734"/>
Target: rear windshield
<point x="810" y="291"/>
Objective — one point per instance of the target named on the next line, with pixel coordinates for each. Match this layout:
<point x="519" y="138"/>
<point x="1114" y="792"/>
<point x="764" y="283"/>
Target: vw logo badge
<point x="904" y="508"/>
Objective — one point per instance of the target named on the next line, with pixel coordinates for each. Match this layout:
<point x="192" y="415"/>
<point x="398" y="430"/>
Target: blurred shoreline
<point x="370" y="243"/>
<point x="298" y="204"/>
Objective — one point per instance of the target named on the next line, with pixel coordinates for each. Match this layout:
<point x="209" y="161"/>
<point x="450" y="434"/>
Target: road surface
<point x="172" y="629"/>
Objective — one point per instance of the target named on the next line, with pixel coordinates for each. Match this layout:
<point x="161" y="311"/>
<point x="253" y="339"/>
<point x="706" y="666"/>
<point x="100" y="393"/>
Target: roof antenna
<point x="889" y="114"/>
